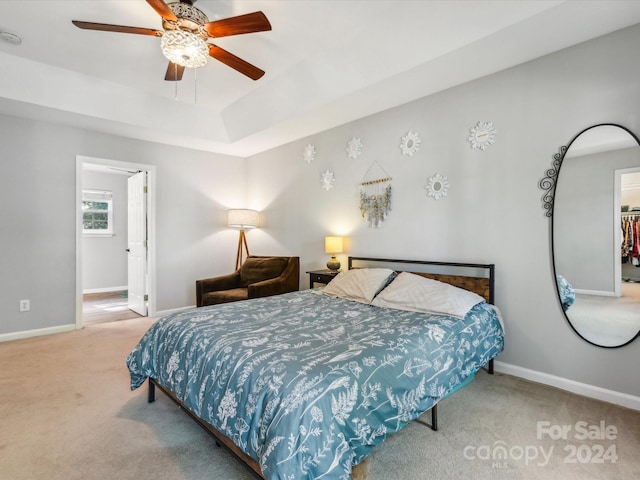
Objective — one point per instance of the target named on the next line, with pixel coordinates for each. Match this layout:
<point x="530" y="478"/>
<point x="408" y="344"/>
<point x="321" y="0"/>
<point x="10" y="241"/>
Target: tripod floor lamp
<point x="242" y="218"/>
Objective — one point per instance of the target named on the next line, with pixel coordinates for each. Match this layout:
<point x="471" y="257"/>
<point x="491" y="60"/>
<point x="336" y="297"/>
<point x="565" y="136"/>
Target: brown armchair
<point x="257" y="277"/>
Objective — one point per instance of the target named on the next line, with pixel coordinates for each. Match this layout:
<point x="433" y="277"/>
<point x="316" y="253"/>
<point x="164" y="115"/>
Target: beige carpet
<point x="608" y="321"/>
<point x="67" y="413"/>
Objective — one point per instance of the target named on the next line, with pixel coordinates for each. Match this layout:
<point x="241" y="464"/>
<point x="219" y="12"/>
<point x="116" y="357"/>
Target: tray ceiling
<point x="326" y="62"/>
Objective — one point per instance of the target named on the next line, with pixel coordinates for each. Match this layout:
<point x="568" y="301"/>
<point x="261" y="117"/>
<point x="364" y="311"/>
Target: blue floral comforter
<point x="566" y="291"/>
<point x="306" y="384"/>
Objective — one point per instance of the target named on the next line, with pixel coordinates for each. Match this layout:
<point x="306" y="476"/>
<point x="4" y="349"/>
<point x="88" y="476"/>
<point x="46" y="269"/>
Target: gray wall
<point x="104" y="259"/>
<point x="38" y="214"/>
<point x="493" y="212"/>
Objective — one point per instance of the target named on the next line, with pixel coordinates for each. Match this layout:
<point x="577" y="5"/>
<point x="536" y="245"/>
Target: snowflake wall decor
<point x="437" y="186"/>
<point x="410" y="143"/>
<point x="309" y="153"/>
<point x="482" y="135"/>
<point x="354" y="147"/>
<point x="327" y="180"/>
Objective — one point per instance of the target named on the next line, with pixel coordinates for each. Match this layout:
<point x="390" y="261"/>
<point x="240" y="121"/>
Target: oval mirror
<point x="595" y="234"/>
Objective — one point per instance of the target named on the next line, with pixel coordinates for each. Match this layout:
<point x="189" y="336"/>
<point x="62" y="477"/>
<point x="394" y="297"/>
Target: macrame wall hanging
<point x="375" y="196"/>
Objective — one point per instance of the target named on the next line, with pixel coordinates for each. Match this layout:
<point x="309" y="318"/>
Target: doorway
<point x="114" y="302"/>
<point x="627" y="206"/>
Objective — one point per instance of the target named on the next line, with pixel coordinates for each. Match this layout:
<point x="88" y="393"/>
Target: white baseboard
<point x="6" y="337"/>
<point x="591" y="391"/>
<point x="105" y="289"/>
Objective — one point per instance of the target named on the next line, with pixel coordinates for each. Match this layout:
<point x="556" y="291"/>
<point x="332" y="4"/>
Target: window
<point x="97" y="212"/>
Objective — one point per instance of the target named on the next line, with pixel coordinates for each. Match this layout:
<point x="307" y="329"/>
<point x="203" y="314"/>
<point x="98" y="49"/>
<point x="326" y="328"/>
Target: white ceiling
<point x="327" y="62"/>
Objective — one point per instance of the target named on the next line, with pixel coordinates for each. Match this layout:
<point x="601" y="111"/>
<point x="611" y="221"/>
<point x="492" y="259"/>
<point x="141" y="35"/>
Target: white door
<point x="137" y="243"/>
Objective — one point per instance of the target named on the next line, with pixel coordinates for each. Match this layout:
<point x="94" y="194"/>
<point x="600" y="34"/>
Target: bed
<point x="566" y="292"/>
<point x="305" y="384"/>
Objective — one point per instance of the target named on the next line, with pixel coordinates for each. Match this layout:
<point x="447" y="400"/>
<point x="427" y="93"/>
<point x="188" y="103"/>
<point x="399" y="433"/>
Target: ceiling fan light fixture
<point x="184" y="35"/>
<point x="184" y="48"/>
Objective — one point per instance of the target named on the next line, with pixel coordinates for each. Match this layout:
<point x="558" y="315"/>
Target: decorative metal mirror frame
<point x="549" y="183"/>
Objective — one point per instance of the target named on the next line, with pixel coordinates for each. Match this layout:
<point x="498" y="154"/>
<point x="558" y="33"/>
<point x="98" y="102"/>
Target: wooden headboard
<point x="475" y="277"/>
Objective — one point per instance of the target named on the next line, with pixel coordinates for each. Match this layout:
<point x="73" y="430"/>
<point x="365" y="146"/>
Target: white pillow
<point x="419" y="294"/>
<point x="359" y="284"/>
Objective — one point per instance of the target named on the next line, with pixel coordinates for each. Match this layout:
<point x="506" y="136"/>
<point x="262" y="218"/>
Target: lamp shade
<point x="333" y="244"/>
<point x="242" y="218"/>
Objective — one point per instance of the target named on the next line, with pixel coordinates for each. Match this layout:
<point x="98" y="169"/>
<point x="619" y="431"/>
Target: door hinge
<point x="146" y="298"/>
<point x="146" y="190"/>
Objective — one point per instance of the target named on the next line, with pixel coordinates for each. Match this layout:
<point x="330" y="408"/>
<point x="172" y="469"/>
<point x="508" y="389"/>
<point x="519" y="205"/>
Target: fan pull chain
<point x="195" y="86"/>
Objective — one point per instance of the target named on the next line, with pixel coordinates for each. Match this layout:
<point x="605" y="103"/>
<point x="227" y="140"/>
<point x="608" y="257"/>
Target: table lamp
<point x="333" y="245"/>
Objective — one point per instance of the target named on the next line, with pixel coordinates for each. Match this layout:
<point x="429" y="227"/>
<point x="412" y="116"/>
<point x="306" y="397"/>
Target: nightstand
<point x="321" y="276"/>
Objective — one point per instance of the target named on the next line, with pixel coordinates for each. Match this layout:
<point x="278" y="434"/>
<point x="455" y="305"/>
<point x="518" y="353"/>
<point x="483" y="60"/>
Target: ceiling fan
<point x="185" y="35"/>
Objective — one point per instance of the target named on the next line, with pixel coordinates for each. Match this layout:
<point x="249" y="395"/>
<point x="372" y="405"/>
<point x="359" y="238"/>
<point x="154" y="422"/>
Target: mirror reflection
<point x="595" y="233"/>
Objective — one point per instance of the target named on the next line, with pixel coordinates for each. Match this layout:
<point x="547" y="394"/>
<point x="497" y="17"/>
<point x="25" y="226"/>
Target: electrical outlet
<point x="25" y="305"/>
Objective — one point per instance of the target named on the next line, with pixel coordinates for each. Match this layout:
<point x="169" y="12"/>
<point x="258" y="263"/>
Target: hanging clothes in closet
<point x="630" y="249"/>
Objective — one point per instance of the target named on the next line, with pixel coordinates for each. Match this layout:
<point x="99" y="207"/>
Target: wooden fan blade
<point x="163" y="10"/>
<point x="105" y="27"/>
<point x="249" y="23"/>
<point x="174" y="72"/>
<point x="234" y="62"/>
